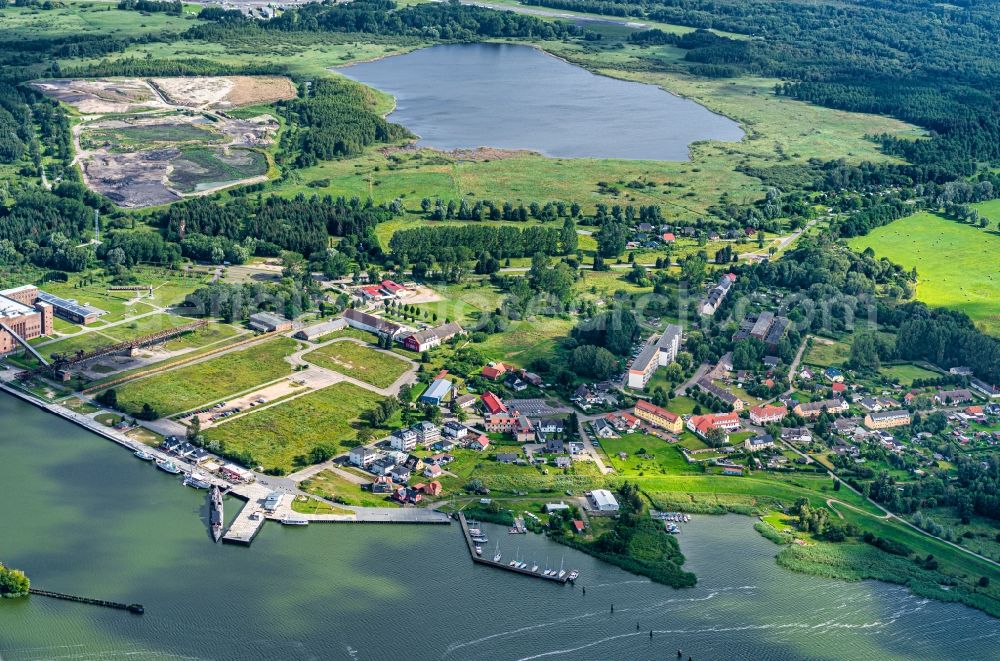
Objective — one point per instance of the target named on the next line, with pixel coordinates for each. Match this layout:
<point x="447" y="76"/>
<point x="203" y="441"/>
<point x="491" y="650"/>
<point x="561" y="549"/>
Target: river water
<point x="81" y="515"/>
<point x="517" y="97"/>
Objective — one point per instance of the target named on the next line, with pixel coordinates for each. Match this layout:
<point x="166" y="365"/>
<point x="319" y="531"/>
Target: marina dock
<point x="251" y="518"/>
<point x="501" y="565"/>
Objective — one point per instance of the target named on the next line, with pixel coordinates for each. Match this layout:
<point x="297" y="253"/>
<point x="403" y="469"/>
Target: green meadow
<point x="956" y="263"/>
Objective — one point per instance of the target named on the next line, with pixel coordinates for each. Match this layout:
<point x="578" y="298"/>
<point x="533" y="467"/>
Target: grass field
<point x="824" y="353"/>
<point x="907" y="373"/>
<point x="191" y="386"/>
<point x="646" y="455"/>
<point x="379" y="368"/>
<point x="275" y="436"/>
<point x="954" y="262"/>
<point x="525" y="340"/>
<point x="332" y="486"/>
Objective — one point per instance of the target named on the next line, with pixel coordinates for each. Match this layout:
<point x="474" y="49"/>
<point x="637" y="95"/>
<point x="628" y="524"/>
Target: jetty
<point x="500" y="565"/>
<point x="251" y="518"/>
<point x="132" y="608"/>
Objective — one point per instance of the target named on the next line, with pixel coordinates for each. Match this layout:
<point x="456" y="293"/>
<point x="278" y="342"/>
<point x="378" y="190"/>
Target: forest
<point x="918" y="61"/>
<point x="448" y="21"/>
<point x="426" y="244"/>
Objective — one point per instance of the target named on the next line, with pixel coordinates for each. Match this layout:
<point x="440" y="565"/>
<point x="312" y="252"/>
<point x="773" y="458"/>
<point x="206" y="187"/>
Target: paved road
<point x="702" y="370"/>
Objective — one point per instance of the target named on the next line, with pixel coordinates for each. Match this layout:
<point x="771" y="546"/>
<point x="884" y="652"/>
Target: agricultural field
<point x="379" y="368"/>
<point x="954" y="267"/>
<point x="201" y="383"/>
<point x="274" y="436"/>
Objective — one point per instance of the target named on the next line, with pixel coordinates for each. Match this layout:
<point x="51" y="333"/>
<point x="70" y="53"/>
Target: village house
<point x="833" y="375"/>
<point x="382" y="466"/>
<point x="432" y="337"/>
<point x="953" y="397"/>
<point x="453" y="429"/>
<point x="562" y="461"/>
<point x="603" y="429"/>
<point x="383" y="485"/>
<point x="494" y="371"/>
<point x="480" y="443"/>
<point x="507" y="457"/>
<point x="463" y="402"/>
<point x="400" y="474"/>
<point x="796" y="435"/>
<point x="407" y="495"/>
<point x="762" y="415"/>
<point x="815" y="409"/>
<point x="433" y="471"/>
<point x="731" y="400"/>
<point x="756" y="443"/>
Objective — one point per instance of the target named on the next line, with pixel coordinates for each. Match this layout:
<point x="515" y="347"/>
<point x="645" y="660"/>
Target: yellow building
<point x="659" y="417"/>
<point x="886" y="419"/>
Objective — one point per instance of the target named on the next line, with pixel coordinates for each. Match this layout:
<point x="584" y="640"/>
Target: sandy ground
<point x="260" y="397"/>
<point x="224" y="92"/>
<point x="103" y="95"/>
<point x="422" y="294"/>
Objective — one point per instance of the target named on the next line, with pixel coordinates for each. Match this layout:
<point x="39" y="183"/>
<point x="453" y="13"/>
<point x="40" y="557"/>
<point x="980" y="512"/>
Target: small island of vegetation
<point x="13" y="583"/>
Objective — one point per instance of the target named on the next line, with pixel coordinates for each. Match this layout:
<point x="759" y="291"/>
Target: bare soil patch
<point x="224" y="92"/>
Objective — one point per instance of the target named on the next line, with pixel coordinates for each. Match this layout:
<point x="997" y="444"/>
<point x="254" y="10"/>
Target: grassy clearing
<point x="275" y="436"/>
<point x="188" y="387"/>
<point x="332" y="486"/>
<point x="526" y="340"/>
<point x="907" y="373"/>
<point x="953" y="261"/>
<point x="379" y="368"/>
<point x="304" y="505"/>
<point x="824" y="353"/>
<point x="646" y="455"/>
<point x="145" y="326"/>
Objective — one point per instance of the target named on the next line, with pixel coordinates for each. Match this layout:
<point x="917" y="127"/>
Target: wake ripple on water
<point x="543" y="625"/>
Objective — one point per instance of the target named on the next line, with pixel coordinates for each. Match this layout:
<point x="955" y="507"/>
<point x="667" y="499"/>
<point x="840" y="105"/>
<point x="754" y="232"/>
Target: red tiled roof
<point x="493" y="403"/>
<point x="655" y="410"/>
<point x="668" y="236"/>
<point x="839" y="387"/>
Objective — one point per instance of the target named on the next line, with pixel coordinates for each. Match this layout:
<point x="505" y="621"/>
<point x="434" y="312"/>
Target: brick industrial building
<point x="22" y="312"/>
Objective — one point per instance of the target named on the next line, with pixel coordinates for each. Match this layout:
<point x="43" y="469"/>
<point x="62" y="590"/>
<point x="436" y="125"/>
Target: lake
<point x="81" y="515"/>
<point x="517" y="97"/>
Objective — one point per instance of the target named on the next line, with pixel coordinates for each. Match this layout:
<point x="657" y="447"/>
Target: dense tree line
<point x="425" y="244"/>
<point x="334" y="118"/>
<point x="301" y="224"/>
<point x="446" y="21"/>
<point x="173" y="7"/>
<point x="947" y="338"/>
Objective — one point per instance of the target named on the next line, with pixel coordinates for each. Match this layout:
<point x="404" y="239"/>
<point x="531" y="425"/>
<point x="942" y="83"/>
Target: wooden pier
<point x="501" y="565"/>
<point x="132" y="608"/>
